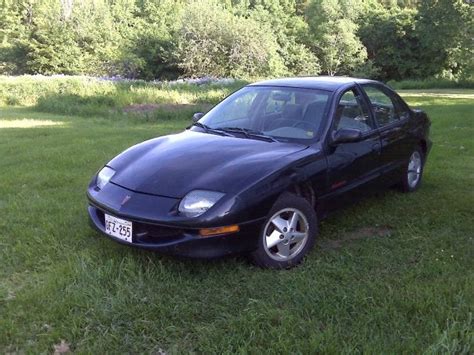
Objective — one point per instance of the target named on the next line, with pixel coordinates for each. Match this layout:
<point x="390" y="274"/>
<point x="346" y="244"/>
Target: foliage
<point x="289" y="29"/>
<point x="51" y="46"/>
<point x="433" y="40"/>
<point x="149" y="39"/>
<point x="12" y="31"/>
<point x="333" y="35"/>
<point x="213" y="41"/>
<point x="392" y="45"/>
<point x="150" y="45"/>
<point x="446" y="32"/>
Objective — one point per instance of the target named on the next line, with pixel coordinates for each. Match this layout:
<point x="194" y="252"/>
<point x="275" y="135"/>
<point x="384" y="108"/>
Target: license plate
<point x="118" y="228"/>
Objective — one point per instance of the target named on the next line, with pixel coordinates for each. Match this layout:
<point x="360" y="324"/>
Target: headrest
<point x="292" y="111"/>
<point x="314" y="112"/>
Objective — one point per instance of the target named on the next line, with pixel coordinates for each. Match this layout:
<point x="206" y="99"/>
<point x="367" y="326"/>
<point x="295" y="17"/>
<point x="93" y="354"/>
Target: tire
<point x="287" y="235"/>
<point x="413" y="172"/>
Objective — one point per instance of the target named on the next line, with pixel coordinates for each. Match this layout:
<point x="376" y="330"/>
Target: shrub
<point x="215" y="42"/>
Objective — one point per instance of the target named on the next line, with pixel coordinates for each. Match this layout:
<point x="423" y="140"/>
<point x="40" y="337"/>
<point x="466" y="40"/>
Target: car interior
<point x="294" y="114"/>
<point x="350" y="115"/>
<point x="280" y="113"/>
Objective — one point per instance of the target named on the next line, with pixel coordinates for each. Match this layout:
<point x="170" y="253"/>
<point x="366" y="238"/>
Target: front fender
<point x="308" y="166"/>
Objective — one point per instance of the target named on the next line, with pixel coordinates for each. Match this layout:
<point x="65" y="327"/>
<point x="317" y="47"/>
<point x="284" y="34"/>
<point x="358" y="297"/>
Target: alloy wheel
<point x="286" y="234"/>
<point x="414" y="169"/>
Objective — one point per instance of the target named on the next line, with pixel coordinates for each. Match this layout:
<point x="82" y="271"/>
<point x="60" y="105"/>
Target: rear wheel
<point x="411" y="178"/>
<point x="288" y="234"/>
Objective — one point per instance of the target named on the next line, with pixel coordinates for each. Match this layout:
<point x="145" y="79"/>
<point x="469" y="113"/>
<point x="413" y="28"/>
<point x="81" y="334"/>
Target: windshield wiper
<point x="208" y="129"/>
<point x="249" y="133"/>
<point x="200" y="125"/>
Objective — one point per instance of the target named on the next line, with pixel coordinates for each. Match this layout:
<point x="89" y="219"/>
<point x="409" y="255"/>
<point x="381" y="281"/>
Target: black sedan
<point x="257" y="172"/>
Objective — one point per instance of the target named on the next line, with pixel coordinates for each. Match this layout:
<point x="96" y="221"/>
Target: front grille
<point x="154" y="230"/>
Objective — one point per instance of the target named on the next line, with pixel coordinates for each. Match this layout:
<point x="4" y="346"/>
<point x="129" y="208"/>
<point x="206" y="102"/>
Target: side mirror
<point x="346" y="135"/>
<point x="197" y="116"/>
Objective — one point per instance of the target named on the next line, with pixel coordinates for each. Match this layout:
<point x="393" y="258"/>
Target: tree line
<point x="165" y="39"/>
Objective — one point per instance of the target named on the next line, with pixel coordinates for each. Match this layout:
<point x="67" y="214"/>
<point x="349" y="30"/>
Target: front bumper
<point x="165" y="235"/>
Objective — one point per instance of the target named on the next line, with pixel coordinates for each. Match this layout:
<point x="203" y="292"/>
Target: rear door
<point x="352" y="167"/>
<point x="392" y="118"/>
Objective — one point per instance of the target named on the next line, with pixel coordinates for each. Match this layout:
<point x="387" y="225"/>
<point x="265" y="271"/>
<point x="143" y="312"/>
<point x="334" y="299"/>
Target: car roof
<point x="329" y="83"/>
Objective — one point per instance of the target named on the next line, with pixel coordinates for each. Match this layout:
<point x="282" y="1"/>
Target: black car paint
<point x="156" y="174"/>
<point x="196" y="160"/>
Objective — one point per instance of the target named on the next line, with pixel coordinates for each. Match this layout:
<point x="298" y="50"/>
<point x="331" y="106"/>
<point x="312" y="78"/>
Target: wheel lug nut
<point x="285" y="229"/>
<point x="281" y="236"/>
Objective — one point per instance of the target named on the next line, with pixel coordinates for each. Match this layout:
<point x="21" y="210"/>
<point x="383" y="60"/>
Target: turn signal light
<point x="207" y="232"/>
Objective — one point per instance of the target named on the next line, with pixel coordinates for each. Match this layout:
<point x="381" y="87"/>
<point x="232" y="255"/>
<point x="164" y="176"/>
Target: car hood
<point x="177" y="164"/>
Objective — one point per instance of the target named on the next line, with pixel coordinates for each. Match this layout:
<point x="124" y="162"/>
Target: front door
<point x="352" y="167"/>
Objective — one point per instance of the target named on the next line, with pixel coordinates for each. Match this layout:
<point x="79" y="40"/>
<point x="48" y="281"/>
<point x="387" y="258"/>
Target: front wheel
<point x="411" y="178"/>
<point x="288" y="234"/>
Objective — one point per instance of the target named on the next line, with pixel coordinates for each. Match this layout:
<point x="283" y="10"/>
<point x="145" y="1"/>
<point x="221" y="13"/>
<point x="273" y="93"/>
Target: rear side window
<point x="386" y="106"/>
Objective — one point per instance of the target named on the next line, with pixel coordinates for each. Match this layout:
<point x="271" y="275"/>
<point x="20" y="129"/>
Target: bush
<point x="215" y="42"/>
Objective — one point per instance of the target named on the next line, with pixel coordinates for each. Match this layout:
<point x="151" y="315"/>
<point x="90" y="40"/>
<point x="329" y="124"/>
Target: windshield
<point x="278" y="112"/>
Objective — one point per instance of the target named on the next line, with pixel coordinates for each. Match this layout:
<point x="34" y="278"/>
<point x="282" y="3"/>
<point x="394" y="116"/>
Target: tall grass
<point x="85" y="96"/>
<point x="431" y="83"/>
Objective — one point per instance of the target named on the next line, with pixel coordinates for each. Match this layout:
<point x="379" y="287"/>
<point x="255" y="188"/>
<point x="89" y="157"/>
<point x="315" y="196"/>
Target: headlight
<point x="104" y="176"/>
<point x="197" y="202"/>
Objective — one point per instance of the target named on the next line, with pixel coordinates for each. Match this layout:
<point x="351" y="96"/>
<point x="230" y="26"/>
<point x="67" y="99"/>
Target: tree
<point x="445" y="29"/>
<point x="150" y="36"/>
<point x="50" y="45"/>
<point x="435" y="39"/>
<point x="149" y="39"/>
<point x="213" y="41"/>
<point x="333" y="35"/>
<point x="281" y="19"/>
<point x="392" y="42"/>
<point x="13" y="29"/>
<point x="51" y="37"/>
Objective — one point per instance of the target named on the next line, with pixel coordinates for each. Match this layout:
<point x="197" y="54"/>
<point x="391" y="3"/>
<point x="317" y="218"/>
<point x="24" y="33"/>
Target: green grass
<point x="408" y="291"/>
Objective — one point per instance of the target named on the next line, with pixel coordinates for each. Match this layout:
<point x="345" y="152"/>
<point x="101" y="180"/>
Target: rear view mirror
<point x="197" y="116"/>
<point x="281" y="96"/>
<point x="346" y="135"/>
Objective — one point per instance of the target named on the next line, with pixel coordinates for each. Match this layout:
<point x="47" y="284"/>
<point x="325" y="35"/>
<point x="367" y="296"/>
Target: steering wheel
<point x="310" y="125"/>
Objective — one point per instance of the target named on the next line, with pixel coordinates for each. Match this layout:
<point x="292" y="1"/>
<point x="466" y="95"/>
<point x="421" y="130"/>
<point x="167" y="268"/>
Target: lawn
<point x="391" y="274"/>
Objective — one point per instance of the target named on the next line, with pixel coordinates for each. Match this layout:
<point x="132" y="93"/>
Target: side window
<point x="401" y="108"/>
<point x="352" y="113"/>
<point x="387" y="108"/>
